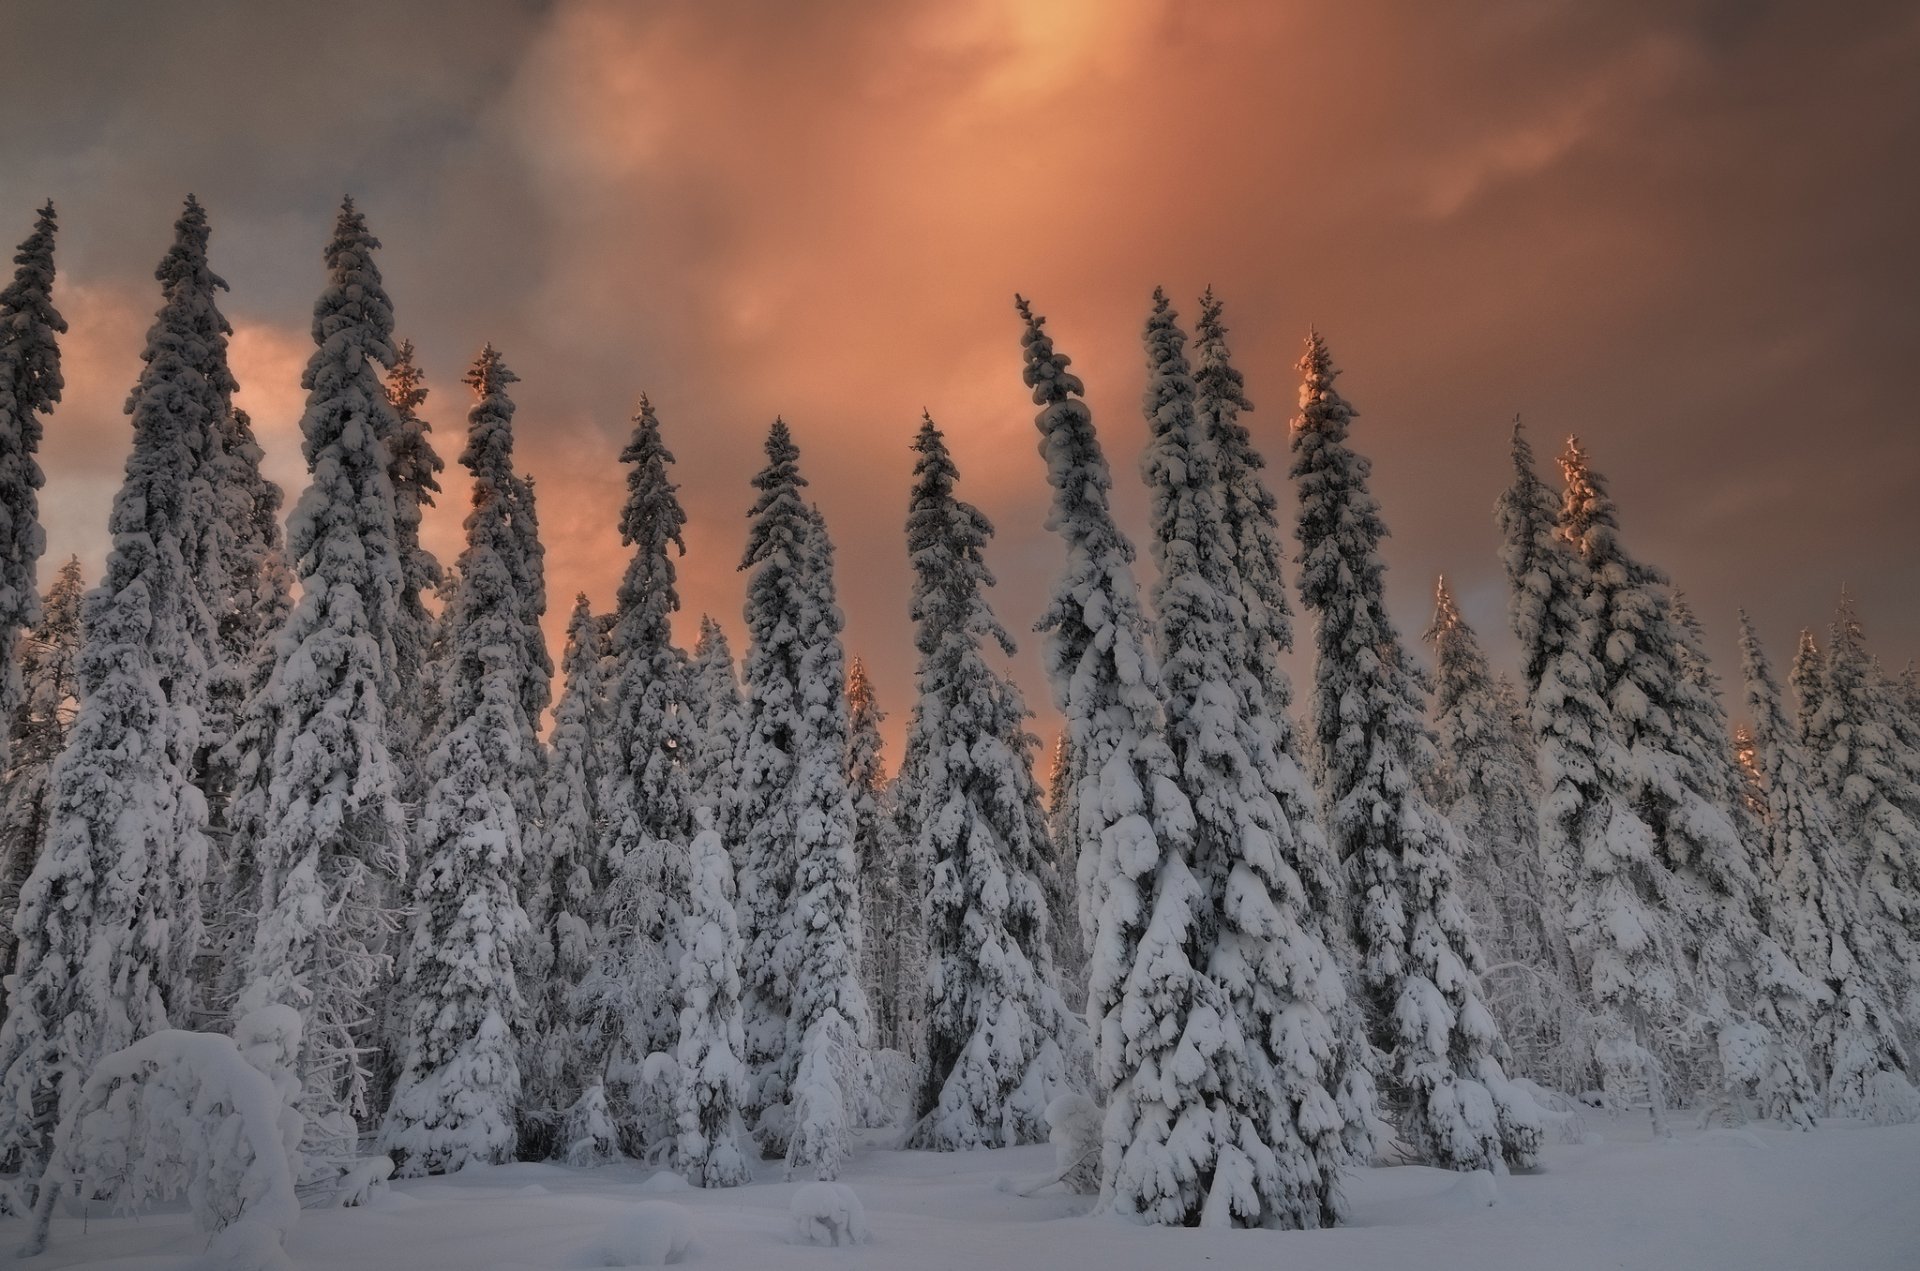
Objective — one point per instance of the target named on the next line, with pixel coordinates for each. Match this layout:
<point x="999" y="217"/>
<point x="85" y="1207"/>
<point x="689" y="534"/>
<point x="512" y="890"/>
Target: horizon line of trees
<point x="286" y="774"/>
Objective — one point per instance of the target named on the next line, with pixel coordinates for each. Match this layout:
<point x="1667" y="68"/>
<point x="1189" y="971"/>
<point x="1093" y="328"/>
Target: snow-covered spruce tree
<point x="1419" y="961"/>
<point x="1063" y="899"/>
<point x="827" y="1023"/>
<point x="38" y="730"/>
<point x="1486" y="784"/>
<point x="1601" y="863"/>
<point x="650" y="806"/>
<point x="413" y="468"/>
<point x="709" y="1051"/>
<point x="566" y="877"/>
<point x="995" y="1025"/>
<point x="1876" y="806"/>
<point x="876" y="853"/>
<point x="1248" y="512"/>
<point x="30" y="385"/>
<point x="1681" y="783"/>
<point x="1276" y="1122"/>
<point x="1808" y="676"/>
<point x="459" y="1082"/>
<point x="1157" y="1018"/>
<point x="719" y="723"/>
<point x="322" y="811"/>
<point x="109" y="917"/>
<point x="1816" y="913"/>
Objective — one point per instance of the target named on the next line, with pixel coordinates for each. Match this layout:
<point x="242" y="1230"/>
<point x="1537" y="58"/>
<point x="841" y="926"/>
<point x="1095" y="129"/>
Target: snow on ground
<point x="1761" y="1197"/>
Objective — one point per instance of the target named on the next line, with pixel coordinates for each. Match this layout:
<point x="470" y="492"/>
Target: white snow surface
<point x="1764" y="1197"/>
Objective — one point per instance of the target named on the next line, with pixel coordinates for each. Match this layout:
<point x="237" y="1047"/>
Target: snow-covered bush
<point x="359" y="1185"/>
<point x="654" y="1233"/>
<point x="180" y="1113"/>
<point x="828" y="1214"/>
<point x="589" y="1135"/>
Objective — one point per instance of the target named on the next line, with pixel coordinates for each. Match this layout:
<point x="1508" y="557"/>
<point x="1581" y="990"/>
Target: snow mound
<point x="828" y="1214"/>
<point x="665" y="1181"/>
<point x="654" y="1233"/>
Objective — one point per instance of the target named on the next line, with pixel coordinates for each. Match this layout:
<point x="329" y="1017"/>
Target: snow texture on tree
<point x="719" y="723"/>
<point x="110" y="918"/>
<point x="459" y="1086"/>
<point x="1274" y="1117"/>
<point x="997" y="1033"/>
<point x="30" y="386"/>
<point x="712" y="1072"/>
<point x="1600" y="857"/>
<point x="1157" y="1018"/>
<point x="888" y="924"/>
<point x="1419" y="962"/>
<point x="322" y="811"/>
<point x="1815" y="911"/>
<point x="1063" y="899"/>
<point x="41" y="723"/>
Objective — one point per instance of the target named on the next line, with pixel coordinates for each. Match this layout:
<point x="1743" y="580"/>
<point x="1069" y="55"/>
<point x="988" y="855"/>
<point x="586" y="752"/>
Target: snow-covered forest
<point x="321" y="872"/>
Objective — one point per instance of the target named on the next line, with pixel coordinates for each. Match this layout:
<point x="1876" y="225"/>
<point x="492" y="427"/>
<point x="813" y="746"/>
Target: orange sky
<point x="1685" y="231"/>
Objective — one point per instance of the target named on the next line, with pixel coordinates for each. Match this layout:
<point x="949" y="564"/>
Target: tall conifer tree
<point x="996" y="1028"/>
<point x="1419" y="961"/>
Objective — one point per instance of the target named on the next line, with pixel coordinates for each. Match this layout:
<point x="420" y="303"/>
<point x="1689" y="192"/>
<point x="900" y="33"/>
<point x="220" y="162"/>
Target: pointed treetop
<point x="1446" y="614"/>
<point x="1218" y="379"/>
<point x="355" y="299"/>
<point x="489" y="374"/>
<point x="1322" y="409"/>
<point x="28" y="323"/>
<point x="406" y="382"/>
<point x="1046" y="371"/>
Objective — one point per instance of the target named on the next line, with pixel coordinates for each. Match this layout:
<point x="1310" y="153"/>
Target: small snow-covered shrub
<point x="589" y="1134"/>
<point x="889" y="1090"/>
<point x="654" y="1233"/>
<point x="359" y="1184"/>
<point x="1073" y="1122"/>
<point x="828" y="1214"/>
<point x="818" y="1135"/>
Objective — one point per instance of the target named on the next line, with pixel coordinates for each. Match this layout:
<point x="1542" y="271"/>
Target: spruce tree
<point x="1156" y="1016"/>
<point x="38" y="731"/>
<point x="1419" y="961"/>
<point x="109" y="918"/>
<point x="996" y="1027"/>
<point x="1063" y="892"/>
<point x="719" y="723"/>
<point x="650" y="794"/>
<point x="1876" y="806"/>
<point x="459" y="1082"/>
<point x="1486" y="785"/>
<point x="1249" y="516"/>
<point x="1816" y="913"/>
<point x="1680" y="779"/>
<point x="566" y="878"/>
<point x="1276" y="1122"/>
<point x="876" y="856"/>
<point x="1602" y="867"/>
<point x="709" y="1048"/>
<point x="323" y="810"/>
<point x="30" y="386"/>
<point x="413" y="468"/>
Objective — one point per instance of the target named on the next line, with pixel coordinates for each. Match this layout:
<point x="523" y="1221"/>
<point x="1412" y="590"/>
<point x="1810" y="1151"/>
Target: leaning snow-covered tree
<point x="1277" y="1124"/>
<point x="459" y="1086"/>
<point x="109" y="917"/>
<point x="998" y="1036"/>
<point x="1816" y="913"/>
<point x="1156" y="1016"/>
<point x="322" y="809"/>
<point x="1679" y="780"/>
<point x="50" y="692"/>
<point x="709" y="1051"/>
<point x="1602" y="866"/>
<point x="1419" y="961"/>
<point x="649" y="794"/>
<point x="30" y="386"/>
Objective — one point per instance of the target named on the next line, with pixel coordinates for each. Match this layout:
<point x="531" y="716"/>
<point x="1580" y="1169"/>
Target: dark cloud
<point x="1683" y="231"/>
